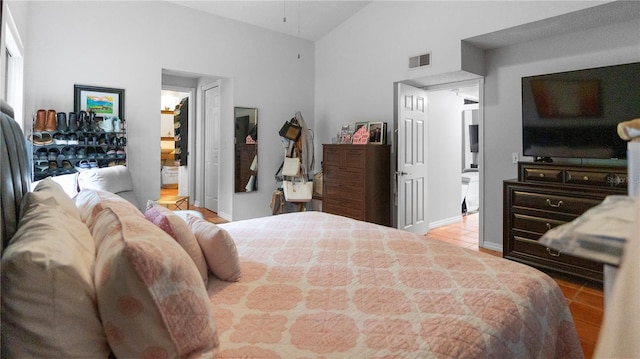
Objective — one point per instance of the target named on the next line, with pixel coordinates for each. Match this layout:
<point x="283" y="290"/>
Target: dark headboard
<point x="15" y="172"/>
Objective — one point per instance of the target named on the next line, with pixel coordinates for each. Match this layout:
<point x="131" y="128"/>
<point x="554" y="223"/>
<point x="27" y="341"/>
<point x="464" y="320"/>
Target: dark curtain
<point x="181" y="127"/>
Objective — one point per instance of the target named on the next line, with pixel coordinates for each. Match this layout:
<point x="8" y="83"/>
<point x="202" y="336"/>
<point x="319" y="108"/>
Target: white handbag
<point x="291" y="167"/>
<point x="297" y="191"/>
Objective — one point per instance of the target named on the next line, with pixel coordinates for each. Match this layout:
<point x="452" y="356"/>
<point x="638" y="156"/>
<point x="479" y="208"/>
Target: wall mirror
<point x="246" y="156"/>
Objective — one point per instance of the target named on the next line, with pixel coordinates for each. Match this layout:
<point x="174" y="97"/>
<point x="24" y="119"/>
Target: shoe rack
<point x="67" y="143"/>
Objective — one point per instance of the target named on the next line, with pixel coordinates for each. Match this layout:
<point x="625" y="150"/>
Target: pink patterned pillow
<point x="179" y="230"/>
<point x="150" y="295"/>
<point x="218" y="247"/>
<point x="91" y="202"/>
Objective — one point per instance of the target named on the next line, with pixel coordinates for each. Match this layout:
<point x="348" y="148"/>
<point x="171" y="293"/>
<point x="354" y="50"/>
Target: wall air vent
<point x="420" y="61"/>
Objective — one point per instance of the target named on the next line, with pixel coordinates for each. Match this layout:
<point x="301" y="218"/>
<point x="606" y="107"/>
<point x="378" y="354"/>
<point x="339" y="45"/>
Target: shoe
<point x="111" y="163"/>
<point x="53" y="166"/>
<point x="84" y="121"/>
<point x="46" y="138"/>
<point x="92" y="139"/>
<point x="41" y="165"/>
<point x="120" y="153"/>
<point x="111" y="152"/>
<point x="122" y="141"/>
<point x="40" y="121"/>
<point x="81" y="152"/>
<point x="66" y="164"/>
<point x="100" y="153"/>
<point x="60" y="139"/>
<point x="51" y="124"/>
<point x="93" y="122"/>
<point x="36" y="138"/>
<point x="73" y="122"/>
<point x="53" y="154"/>
<point x="72" y="139"/>
<point x="61" y="118"/>
<point x="93" y="164"/>
<point x="91" y="152"/>
<point x="42" y="154"/>
<point x="83" y="165"/>
<point x="102" y="140"/>
<point x="117" y="124"/>
<point x="106" y="125"/>
<point x="69" y="152"/>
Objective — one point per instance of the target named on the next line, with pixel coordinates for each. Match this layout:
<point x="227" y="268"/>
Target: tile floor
<point x="585" y="301"/>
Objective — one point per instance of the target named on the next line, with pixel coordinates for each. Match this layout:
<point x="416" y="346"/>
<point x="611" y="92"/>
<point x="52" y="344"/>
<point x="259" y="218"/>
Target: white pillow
<point x="68" y="182"/>
<point x="48" y="188"/>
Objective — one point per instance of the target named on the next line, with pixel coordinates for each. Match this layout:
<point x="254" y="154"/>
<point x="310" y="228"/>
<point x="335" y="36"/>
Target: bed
<point x="311" y="285"/>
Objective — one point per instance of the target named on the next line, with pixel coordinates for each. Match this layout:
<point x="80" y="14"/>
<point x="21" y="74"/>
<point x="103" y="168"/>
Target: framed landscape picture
<point x="104" y="101"/>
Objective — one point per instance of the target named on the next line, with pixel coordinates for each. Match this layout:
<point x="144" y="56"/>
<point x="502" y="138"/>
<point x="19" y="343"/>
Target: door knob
<point x="402" y="173"/>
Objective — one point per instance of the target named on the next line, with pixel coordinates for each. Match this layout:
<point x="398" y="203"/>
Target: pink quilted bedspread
<point x="319" y="285"/>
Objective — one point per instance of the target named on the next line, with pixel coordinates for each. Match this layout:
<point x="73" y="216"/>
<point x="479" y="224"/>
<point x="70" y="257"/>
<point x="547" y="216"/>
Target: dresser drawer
<point x="553" y="202"/>
<point x="533" y="224"/>
<point x="343" y="208"/>
<point x="351" y="157"/>
<point x="343" y="191"/>
<point x="601" y="179"/>
<point x="542" y="174"/>
<point x="529" y="248"/>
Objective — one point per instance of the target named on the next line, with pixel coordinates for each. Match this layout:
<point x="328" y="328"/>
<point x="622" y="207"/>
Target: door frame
<point x="191" y="122"/>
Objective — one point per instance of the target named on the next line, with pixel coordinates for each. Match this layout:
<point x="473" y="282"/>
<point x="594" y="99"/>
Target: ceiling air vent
<point x="420" y="61"/>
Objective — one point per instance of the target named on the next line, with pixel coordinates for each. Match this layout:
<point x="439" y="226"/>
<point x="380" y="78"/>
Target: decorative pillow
<point x="218" y="248"/>
<point x="179" y="230"/>
<point x="68" y="182"/>
<point x="91" y="202"/>
<point x="49" y="188"/>
<point x="150" y="295"/>
<point x="48" y="295"/>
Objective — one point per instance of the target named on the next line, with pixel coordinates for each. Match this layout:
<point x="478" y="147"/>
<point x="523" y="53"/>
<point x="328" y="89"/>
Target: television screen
<point x="575" y="114"/>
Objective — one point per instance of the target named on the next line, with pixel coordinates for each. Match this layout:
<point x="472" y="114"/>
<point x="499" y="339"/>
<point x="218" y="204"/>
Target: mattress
<point x="319" y="285"/>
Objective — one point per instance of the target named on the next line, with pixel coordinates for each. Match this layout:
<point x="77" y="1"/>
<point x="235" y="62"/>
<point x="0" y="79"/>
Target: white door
<point x="211" y="146"/>
<point x="411" y="163"/>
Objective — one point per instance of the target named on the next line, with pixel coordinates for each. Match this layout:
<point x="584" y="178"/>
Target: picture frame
<point x="377" y="133"/>
<point x="360" y="124"/>
<point x="104" y="101"/>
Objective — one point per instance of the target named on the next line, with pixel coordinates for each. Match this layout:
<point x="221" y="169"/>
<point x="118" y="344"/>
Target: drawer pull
<point x="585" y="178"/>
<point x="548" y="225"/>
<point x="553" y="253"/>
<point x="541" y="175"/>
<point x="554" y="205"/>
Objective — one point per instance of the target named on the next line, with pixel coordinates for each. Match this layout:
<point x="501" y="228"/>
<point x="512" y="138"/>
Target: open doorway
<point x="174" y="106"/>
<point x="454" y="115"/>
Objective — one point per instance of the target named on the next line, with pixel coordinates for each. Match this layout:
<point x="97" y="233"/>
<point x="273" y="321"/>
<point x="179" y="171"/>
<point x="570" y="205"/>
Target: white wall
<point x="445" y="140"/>
<point x="127" y="44"/>
<point x="609" y="45"/>
<point x="358" y="62"/>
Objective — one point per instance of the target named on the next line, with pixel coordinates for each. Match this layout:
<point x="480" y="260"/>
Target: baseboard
<point x="225" y="216"/>
<point x="445" y="222"/>
<point x="492" y="246"/>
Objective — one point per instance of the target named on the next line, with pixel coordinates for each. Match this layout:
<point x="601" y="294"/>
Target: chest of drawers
<point x="546" y="196"/>
<point x="357" y="182"/>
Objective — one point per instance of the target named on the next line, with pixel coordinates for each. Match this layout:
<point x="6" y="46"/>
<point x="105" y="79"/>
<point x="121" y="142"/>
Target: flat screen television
<point x="574" y="114"/>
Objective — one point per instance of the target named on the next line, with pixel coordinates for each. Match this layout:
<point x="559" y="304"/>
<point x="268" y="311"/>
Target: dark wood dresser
<point x="245" y="152"/>
<point x="546" y="195"/>
<point x="357" y="182"/>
